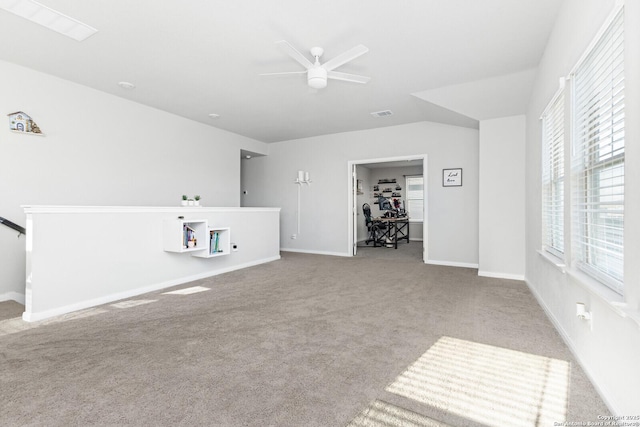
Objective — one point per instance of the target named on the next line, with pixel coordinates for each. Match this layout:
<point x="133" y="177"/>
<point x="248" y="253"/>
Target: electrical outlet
<point x="294" y="236"/>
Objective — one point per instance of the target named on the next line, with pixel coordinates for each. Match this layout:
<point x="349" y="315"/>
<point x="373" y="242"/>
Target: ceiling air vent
<point x="385" y="113"/>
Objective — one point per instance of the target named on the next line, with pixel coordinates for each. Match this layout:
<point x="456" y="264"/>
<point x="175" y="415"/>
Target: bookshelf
<point x="218" y="243"/>
<point x="182" y="235"/>
<point x="388" y="188"/>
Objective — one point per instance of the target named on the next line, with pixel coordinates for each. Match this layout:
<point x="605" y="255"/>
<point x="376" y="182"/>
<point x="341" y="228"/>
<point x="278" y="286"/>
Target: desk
<point x="397" y="229"/>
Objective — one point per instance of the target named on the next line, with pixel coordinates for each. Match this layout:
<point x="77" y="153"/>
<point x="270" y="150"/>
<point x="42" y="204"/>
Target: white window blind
<point x="415" y="197"/>
<point x="553" y="176"/>
<point x="598" y="158"/>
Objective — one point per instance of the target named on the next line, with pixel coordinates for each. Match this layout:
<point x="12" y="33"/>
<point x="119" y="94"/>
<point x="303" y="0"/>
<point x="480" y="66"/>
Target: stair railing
<point x="19" y="229"/>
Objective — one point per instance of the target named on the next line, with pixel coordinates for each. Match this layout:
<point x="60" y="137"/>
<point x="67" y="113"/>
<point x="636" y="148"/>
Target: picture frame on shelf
<point x="452" y="177"/>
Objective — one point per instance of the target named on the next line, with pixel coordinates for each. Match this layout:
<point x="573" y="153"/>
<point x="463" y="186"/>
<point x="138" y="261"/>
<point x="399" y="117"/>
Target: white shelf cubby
<point x="174" y="235"/>
<point x="221" y="235"/>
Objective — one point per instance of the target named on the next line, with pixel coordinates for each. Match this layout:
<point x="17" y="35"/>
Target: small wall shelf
<point x="181" y="235"/>
<point x="219" y="243"/>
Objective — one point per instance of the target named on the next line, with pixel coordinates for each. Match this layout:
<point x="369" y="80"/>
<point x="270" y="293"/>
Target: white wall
<point x="452" y="214"/>
<point x="80" y="257"/>
<point x="102" y="150"/>
<point x="608" y="351"/>
<point x="502" y="197"/>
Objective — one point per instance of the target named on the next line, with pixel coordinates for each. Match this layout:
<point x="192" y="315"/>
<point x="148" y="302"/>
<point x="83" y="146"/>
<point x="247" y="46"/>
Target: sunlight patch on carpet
<point x="487" y="384"/>
<point x="81" y="314"/>
<point x="132" y="303"/>
<point x="383" y="414"/>
<point x="187" y="291"/>
<point x="12" y="326"/>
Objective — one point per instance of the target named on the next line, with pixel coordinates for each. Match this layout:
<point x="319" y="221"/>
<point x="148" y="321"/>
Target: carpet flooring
<point x="307" y="340"/>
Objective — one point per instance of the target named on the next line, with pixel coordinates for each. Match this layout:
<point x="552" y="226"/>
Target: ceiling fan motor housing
<point x="317" y="77"/>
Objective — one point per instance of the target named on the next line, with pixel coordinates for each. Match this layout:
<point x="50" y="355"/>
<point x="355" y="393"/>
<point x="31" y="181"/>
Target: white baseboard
<point x="12" y="296"/>
<point x="451" y="263"/>
<point x="34" y="317"/>
<point x="307" y="251"/>
<point x="602" y="391"/>
<point x="501" y="275"/>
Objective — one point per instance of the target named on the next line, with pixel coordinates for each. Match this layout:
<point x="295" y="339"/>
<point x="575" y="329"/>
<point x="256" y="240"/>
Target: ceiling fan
<point x="317" y="73"/>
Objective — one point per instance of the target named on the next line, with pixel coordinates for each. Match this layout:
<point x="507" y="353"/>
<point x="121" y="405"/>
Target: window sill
<point x="614" y="300"/>
<point x="595" y="287"/>
<point x="554" y="260"/>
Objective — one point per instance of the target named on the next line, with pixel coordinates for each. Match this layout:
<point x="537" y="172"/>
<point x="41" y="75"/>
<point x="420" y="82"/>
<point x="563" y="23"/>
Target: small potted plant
<point x="197" y="200"/>
<point x="184" y="200"/>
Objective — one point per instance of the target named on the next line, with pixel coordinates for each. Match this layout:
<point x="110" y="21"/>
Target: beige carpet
<point x="304" y="341"/>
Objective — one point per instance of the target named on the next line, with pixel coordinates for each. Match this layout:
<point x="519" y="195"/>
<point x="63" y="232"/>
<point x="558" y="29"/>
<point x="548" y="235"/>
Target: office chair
<point x="373" y="228"/>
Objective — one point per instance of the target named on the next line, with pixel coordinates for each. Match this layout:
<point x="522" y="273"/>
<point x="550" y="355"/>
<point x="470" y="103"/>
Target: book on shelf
<point x="188" y="235"/>
<point x="214" y="242"/>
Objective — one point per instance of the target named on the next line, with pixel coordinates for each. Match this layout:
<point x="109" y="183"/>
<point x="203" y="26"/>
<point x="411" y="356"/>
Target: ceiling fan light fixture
<point x="317" y="77"/>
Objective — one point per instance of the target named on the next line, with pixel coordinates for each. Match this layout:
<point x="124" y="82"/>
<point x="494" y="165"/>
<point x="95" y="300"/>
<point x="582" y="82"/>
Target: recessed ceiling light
<point x="214" y="116"/>
<point x="47" y="17"/>
<point x="126" y="85"/>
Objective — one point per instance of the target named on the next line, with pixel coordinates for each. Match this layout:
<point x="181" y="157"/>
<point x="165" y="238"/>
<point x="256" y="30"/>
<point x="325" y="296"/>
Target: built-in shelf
<point x="195" y="236"/>
<point x="182" y="235"/>
<point x="219" y="243"/>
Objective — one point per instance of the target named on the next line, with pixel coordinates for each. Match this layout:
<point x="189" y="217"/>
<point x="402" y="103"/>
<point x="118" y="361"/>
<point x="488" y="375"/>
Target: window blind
<point x="415" y="197"/>
<point x="598" y="158"/>
<point x="553" y="176"/>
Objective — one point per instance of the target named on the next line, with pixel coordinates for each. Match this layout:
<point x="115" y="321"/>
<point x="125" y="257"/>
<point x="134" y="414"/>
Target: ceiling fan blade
<point x="284" y="73"/>
<point x="345" y="57"/>
<point x="348" y="77"/>
<point x="293" y="52"/>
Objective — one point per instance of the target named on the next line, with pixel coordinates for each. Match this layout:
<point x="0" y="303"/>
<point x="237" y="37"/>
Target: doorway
<point x="371" y="178"/>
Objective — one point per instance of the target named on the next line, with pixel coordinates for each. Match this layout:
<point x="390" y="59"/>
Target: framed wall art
<point x="452" y="177"/>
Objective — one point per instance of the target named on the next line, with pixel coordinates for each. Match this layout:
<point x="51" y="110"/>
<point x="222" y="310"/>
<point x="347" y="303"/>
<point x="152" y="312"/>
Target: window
<point x="598" y="159"/>
<point x="553" y="176"/>
<point x="415" y="197"/>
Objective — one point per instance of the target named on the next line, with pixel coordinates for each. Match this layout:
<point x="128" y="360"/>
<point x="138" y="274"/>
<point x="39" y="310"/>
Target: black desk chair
<point x="374" y="229"/>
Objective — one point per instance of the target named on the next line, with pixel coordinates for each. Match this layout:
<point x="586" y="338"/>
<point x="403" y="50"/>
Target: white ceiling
<point x="199" y="57"/>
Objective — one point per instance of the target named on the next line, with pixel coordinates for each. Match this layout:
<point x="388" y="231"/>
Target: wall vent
<point x="384" y="113"/>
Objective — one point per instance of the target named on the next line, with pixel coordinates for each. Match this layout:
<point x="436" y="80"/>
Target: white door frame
<point x="352" y="209"/>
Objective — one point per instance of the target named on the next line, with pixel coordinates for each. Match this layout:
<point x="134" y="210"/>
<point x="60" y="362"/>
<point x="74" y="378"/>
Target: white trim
<point x="594" y="286"/>
<point x="12" y="296"/>
<point x="34" y="317"/>
<point x="602" y="391"/>
<point x="350" y="212"/>
<point x="310" y="251"/>
<point x="554" y="260"/>
<point x="451" y="263"/>
<point x="28" y="209"/>
<point x="616" y="9"/>
<point x="497" y="275"/>
<point x="562" y="83"/>
<point x="605" y="294"/>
